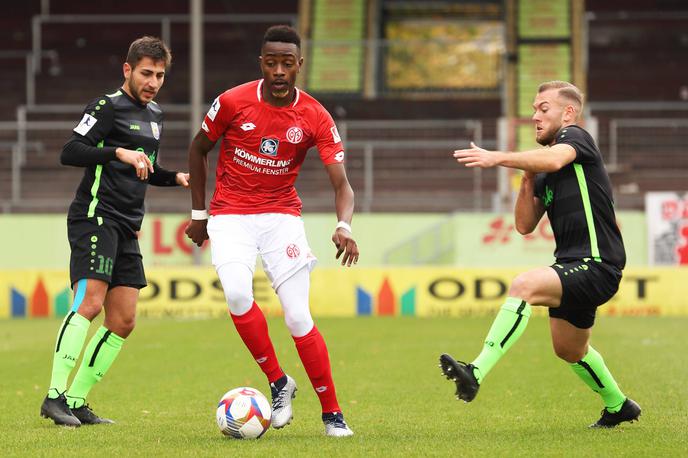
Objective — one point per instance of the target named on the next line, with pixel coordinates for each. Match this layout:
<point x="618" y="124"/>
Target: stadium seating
<point x="410" y="179"/>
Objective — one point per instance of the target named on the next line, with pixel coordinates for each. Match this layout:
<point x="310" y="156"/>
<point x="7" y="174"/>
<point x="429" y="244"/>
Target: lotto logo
<point x="294" y="135"/>
<point x="248" y="126"/>
<point x="293" y="251"/>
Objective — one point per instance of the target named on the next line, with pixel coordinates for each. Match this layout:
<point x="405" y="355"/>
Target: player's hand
<point x="345" y="245"/>
<point x="477" y="157"/>
<point x="182" y="179"/>
<point x="197" y="231"/>
<point x="136" y="159"/>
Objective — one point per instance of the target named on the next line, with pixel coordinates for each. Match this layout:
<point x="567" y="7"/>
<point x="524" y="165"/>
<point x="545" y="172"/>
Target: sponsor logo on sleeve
<point x="214" y="108"/>
<point x="155" y="129"/>
<point x="269" y="146"/>
<point x="294" y="135"/>
<point x="335" y="134"/>
<point x="339" y="157"/>
<point x="204" y="126"/>
<point x="86" y="123"/>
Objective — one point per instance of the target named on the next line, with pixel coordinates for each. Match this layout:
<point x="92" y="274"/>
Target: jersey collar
<point x="259" y="94"/>
<point x="132" y="99"/>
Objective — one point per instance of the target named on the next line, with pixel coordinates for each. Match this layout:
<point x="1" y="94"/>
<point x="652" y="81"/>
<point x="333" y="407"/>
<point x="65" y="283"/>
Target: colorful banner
<point x="667" y="228"/>
<point x="465" y="239"/>
<point x="343" y="292"/>
<point x="491" y="240"/>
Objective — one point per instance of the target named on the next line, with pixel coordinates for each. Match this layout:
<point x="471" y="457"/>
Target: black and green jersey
<point x="109" y="188"/>
<point x="579" y="203"/>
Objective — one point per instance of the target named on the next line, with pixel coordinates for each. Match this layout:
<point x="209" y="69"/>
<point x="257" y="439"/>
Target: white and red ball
<point x="243" y="413"/>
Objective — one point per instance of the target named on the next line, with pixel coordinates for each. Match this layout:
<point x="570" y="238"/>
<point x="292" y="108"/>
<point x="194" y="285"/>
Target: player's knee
<point x="239" y="301"/>
<point x="299" y="324"/>
<point x="90" y="307"/>
<point x="568" y="353"/>
<point x="522" y="289"/>
<point x="126" y="327"/>
<point x="121" y="325"/>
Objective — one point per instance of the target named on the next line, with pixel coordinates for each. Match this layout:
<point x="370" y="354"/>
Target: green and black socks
<point x="100" y="353"/>
<point x="507" y="327"/>
<point x="592" y="370"/>
<point x="70" y="341"/>
<point x="98" y="357"/>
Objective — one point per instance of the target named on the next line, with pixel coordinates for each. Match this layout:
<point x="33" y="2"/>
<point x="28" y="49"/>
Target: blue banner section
<point x="18" y="304"/>
<point x="364" y="302"/>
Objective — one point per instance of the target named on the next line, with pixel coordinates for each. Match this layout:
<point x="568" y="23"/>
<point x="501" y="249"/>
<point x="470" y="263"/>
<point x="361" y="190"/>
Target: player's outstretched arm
<point x="344" y="205"/>
<point x="198" y="172"/>
<point x="538" y="160"/>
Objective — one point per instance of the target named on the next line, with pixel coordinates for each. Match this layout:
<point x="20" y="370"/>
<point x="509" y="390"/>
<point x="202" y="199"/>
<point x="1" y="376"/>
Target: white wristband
<point x="199" y="214"/>
<point x="343" y="225"/>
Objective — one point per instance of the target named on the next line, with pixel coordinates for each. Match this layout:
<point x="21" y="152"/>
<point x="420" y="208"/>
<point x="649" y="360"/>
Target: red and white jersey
<point x="263" y="147"/>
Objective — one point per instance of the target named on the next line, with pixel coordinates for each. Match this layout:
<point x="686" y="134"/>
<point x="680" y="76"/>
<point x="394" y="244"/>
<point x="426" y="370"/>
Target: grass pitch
<point x="164" y="388"/>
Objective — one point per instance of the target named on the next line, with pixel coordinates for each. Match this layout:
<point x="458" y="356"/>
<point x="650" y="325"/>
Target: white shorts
<point x="279" y="238"/>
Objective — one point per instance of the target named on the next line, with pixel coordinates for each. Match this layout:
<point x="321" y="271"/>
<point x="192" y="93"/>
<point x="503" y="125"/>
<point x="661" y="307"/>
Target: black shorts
<point x="104" y="252"/>
<point x="585" y="286"/>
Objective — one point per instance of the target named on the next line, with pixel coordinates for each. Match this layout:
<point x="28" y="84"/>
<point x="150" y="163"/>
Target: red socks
<point x="253" y="330"/>
<point x="313" y="353"/>
<point x="312" y="350"/>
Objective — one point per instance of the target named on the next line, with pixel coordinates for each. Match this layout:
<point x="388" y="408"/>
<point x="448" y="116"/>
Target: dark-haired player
<point x="266" y="127"/>
<point x="568" y="181"/>
<point x="117" y="142"/>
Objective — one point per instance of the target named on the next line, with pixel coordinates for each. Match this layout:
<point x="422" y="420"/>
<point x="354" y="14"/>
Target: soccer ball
<point x="243" y="413"/>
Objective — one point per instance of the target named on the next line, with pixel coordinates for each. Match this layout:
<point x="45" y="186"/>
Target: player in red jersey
<point x="266" y="127"/>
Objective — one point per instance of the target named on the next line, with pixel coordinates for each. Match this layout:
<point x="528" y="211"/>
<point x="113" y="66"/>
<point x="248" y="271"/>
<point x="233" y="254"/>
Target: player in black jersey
<point x="568" y="181"/>
<point x="117" y="142"/>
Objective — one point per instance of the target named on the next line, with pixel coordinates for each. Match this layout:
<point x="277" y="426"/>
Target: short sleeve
<point x="327" y="139"/>
<point x="578" y="139"/>
<point x="96" y="121"/>
<point x="219" y="117"/>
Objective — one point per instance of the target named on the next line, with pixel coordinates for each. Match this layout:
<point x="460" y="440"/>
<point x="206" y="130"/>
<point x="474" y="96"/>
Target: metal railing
<point x="644" y="136"/>
<point x="389" y="143"/>
<point x="165" y="22"/>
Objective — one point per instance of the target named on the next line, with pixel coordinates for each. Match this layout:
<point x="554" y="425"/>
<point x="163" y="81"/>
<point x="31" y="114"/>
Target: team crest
<point x="293" y="251"/>
<point x="155" y="129"/>
<point x="269" y="146"/>
<point x="294" y="135"/>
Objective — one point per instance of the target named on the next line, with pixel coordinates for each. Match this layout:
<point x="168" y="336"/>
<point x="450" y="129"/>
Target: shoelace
<point x="337" y="421"/>
<point x="88" y="410"/>
<point x="278" y="397"/>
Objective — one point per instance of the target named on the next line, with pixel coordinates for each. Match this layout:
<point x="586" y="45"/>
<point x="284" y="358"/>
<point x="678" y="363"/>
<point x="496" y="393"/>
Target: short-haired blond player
<point x="569" y="182"/>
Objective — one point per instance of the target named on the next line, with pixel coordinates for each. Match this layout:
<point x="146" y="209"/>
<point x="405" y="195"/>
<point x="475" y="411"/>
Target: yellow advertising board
<point x="340" y="292"/>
